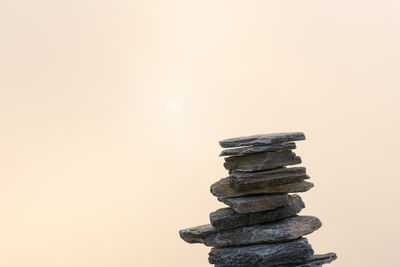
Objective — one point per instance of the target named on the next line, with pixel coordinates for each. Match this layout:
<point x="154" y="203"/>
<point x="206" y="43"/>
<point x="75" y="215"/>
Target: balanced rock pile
<point x="261" y="226"/>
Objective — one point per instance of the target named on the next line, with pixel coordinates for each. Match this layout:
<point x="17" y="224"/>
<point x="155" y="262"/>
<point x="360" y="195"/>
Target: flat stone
<point x="223" y="188"/>
<point x="228" y="218"/>
<point x="313" y="261"/>
<point x="256" y="203"/>
<point x="252" y="180"/>
<point x="265" y="255"/>
<point x="257" y="149"/>
<point x="261" y="161"/>
<point x="262" y="139"/>
<point x="279" y="231"/>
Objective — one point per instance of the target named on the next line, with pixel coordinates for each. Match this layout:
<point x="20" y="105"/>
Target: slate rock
<point x="313" y="261"/>
<point x="265" y="255"/>
<point x="262" y="139"/>
<point x="223" y="188"/>
<point x="256" y="203"/>
<point x="257" y="149"/>
<point x="252" y="180"/>
<point x="228" y="218"/>
<point x="278" y="231"/>
<point x="262" y="161"/>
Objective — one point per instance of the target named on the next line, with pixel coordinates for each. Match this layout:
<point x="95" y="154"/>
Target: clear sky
<point x="111" y="112"/>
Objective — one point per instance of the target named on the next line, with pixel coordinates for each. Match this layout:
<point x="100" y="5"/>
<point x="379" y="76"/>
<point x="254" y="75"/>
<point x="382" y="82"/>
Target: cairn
<point x="261" y="226"/>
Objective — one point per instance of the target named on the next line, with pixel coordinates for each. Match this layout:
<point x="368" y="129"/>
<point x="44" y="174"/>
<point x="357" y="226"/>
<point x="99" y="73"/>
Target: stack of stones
<point x="261" y="226"/>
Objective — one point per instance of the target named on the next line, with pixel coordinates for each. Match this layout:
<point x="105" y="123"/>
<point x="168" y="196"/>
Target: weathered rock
<point x="256" y="203"/>
<point x="313" y="261"/>
<point x="261" y="161"/>
<point x="279" y="231"/>
<point x="228" y="218"/>
<point x="262" y="139"/>
<point x="257" y="149"/>
<point x="283" y="171"/>
<point x="252" y="180"/>
<point x="265" y="255"/>
<point x="223" y="188"/>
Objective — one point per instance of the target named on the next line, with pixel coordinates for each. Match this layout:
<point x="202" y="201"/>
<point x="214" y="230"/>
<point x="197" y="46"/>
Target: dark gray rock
<point x="278" y="231"/>
<point x="265" y="255"/>
<point x="257" y="149"/>
<point x="313" y="261"/>
<point x="252" y="180"/>
<point x="228" y="218"/>
<point x="261" y="161"/>
<point x="223" y="188"/>
<point x="256" y="203"/>
<point x="197" y="234"/>
<point x="262" y="139"/>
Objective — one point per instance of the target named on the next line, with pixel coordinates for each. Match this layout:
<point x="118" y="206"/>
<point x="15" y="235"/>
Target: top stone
<point x="262" y="139"/>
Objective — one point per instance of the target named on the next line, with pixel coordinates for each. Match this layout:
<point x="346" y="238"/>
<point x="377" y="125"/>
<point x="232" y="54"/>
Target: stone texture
<point x="315" y="261"/>
<point x="279" y="231"/>
<point x="228" y="218"/>
<point x="223" y="188"/>
<point x="312" y="261"/>
<point x="256" y="203"/>
<point x="265" y="255"/>
<point x="257" y="149"/>
<point x="262" y="139"/>
<point x="252" y="180"/>
<point x="261" y="161"/>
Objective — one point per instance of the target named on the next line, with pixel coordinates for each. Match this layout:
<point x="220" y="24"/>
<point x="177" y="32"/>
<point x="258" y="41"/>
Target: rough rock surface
<point x="276" y="254"/>
<point x="261" y="161"/>
<point x="262" y="139"/>
<point x="228" y="218"/>
<point x="279" y="231"/>
<point x="257" y="149"/>
<point x="251" y="180"/>
<point x="256" y="203"/>
<point x="223" y="188"/>
<point x="313" y="261"/>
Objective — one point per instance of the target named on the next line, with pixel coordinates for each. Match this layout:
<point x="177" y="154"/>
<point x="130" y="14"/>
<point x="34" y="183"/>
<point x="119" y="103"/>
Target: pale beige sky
<point x="111" y="112"/>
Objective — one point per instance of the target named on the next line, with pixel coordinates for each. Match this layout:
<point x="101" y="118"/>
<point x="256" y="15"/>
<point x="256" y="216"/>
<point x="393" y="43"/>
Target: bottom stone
<point x="313" y="261"/>
<point x="265" y="255"/>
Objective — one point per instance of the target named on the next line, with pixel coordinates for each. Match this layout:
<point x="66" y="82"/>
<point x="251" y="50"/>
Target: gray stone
<point x="257" y="149"/>
<point x="252" y="180"/>
<point x="261" y="161"/>
<point x="279" y="231"/>
<point x="256" y="203"/>
<point x="262" y="139"/>
<point x="228" y="218"/>
<point x="265" y="255"/>
<point x="223" y="188"/>
<point x="313" y="261"/>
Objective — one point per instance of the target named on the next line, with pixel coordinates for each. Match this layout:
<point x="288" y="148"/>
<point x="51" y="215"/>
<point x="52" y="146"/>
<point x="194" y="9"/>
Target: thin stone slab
<point x="223" y="188"/>
<point x="279" y="231"/>
<point x="313" y="261"/>
<point x="262" y="139"/>
<point x="257" y="149"/>
<point x="252" y="180"/>
<point x="262" y="161"/>
<point x="228" y="218"/>
<point x="265" y="255"/>
<point x="256" y="203"/>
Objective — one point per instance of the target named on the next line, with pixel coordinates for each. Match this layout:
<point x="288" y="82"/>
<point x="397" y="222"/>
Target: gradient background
<point x="111" y="111"/>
